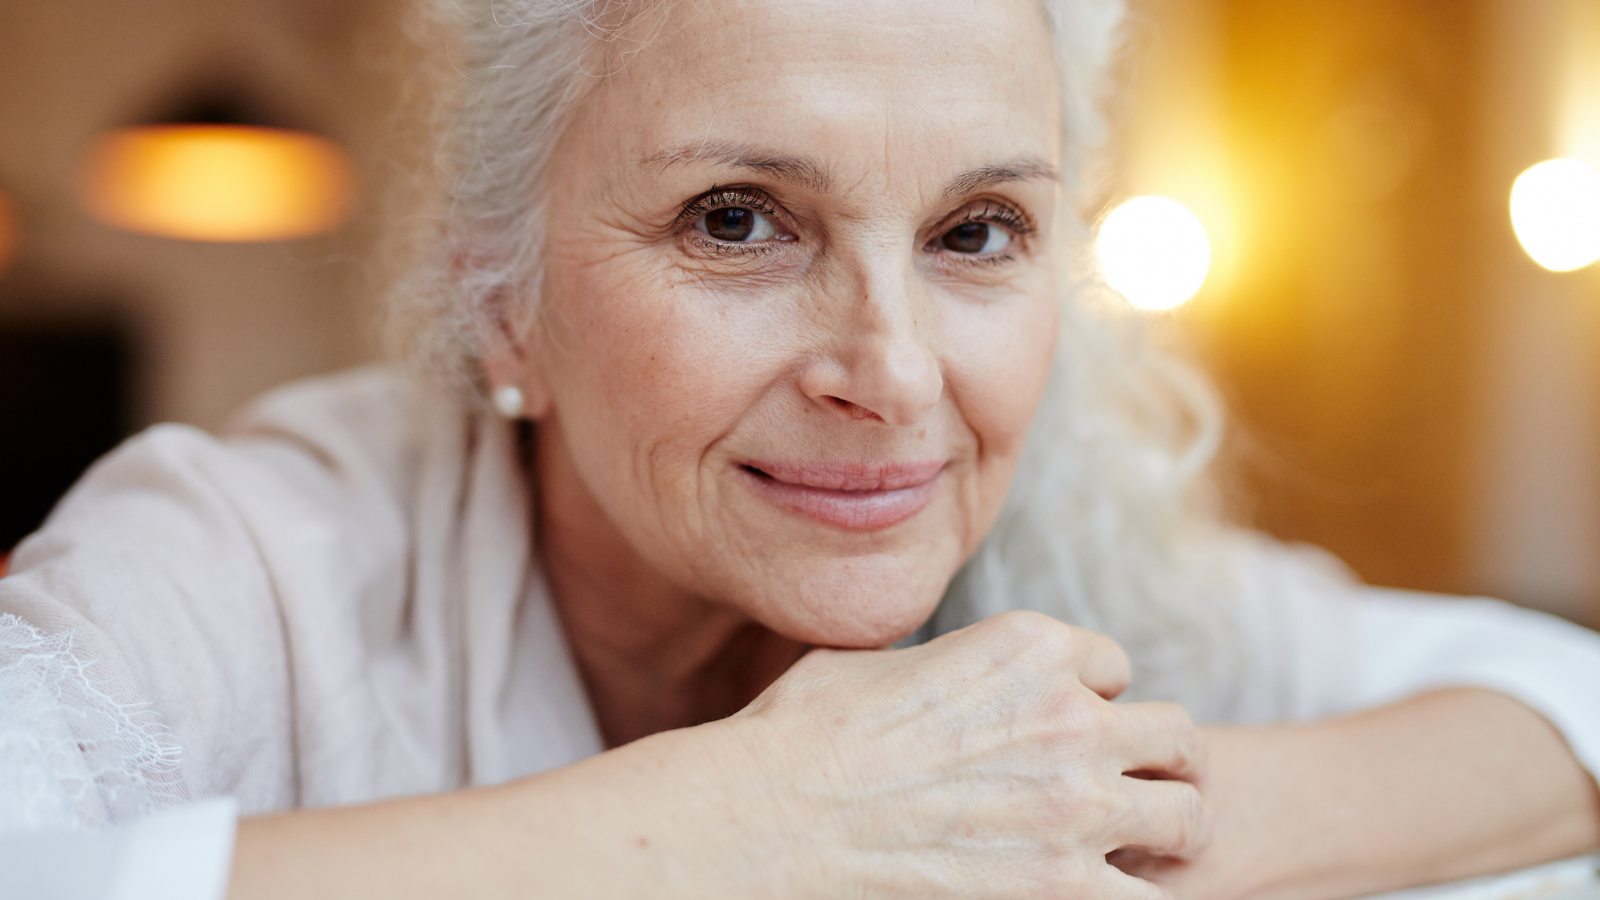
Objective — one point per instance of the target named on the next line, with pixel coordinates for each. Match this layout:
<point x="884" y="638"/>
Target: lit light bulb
<point x="1154" y="252"/>
<point x="1555" y="211"/>
<point x="218" y="182"/>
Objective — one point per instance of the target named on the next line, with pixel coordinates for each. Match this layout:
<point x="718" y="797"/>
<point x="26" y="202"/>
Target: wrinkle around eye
<point x="701" y="260"/>
<point x="783" y="250"/>
<point x="983" y="279"/>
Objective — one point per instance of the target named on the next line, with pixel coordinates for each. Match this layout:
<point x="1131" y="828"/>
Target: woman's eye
<point x="736" y="225"/>
<point x="976" y="237"/>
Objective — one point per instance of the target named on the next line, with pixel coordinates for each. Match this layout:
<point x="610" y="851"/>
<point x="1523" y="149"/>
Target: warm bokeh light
<point x="218" y="182"/>
<point x="1154" y="252"/>
<point x="10" y="233"/>
<point x="1555" y="211"/>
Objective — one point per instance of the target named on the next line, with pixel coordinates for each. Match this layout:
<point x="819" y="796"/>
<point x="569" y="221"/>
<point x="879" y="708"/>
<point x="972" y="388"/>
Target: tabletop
<point x="1572" y="879"/>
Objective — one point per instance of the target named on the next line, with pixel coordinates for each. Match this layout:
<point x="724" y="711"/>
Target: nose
<point x="882" y="363"/>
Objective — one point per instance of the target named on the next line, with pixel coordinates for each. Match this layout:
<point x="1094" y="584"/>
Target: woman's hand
<point x="987" y="763"/>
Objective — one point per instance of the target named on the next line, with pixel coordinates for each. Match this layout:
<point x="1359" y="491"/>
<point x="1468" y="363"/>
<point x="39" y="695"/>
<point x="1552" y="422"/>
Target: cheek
<point x="998" y="364"/>
<point x="647" y="374"/>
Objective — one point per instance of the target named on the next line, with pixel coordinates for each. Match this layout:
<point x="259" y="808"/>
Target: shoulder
<point x="371" y="405"/>
<point x="317" y="476"/>
<point x="316" y="480"/>
<point x="348" y="443"/>
<point x="200" y="570"/>
<point x="370" y="421"/>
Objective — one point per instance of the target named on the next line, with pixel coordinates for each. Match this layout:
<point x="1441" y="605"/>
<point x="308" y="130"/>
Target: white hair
<point x="1106" y="523"/>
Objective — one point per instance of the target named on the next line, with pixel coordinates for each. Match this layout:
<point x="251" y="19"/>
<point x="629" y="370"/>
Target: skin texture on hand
<point x="1000" y="769"/>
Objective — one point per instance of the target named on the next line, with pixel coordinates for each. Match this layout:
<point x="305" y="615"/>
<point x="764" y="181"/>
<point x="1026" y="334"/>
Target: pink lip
<point x="854" y="496"/>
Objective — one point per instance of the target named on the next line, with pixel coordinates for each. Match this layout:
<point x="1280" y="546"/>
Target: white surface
<point x="179" y="854"/>
<point x="1573" y="879"/>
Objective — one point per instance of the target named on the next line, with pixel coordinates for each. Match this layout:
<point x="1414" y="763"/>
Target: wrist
<point x="1252" y="853"/>
<point x="682" y="813"/>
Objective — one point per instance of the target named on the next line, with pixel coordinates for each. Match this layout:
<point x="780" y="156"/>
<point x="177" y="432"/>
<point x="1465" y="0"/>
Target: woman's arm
<point x="1442" y="786"/>
<point x="647" y="820"/>
<point x="987" y="763"/>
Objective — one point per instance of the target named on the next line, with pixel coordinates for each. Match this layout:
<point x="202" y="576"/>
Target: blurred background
<point x="1313" y="201"/>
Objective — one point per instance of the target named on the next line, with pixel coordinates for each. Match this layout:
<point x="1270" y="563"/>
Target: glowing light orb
<point x="1154" y="252"/>
<point x="1555" y="211"/>
<point x="218" y="182"/>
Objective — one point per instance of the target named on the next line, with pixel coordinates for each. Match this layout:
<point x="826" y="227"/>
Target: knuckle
<point x="1078" y="803"/>
<point x="1177" y="717"/>
<point x="1078" y="718"/>
<point x="1117" y="655"/>
<point x="1023" y="626"/>
<point x="1104" y="806"/>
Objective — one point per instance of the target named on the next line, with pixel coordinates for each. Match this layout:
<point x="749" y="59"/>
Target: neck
<point x="653" y="656"/>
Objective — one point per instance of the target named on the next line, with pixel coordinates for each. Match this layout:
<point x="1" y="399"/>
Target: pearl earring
<point x="508" y="401"/>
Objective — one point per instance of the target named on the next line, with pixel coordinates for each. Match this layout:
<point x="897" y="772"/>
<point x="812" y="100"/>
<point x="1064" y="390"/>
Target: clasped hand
<point x="989" y="762"/>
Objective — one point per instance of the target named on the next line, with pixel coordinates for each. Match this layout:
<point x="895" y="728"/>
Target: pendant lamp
<point x="215" y="171"/>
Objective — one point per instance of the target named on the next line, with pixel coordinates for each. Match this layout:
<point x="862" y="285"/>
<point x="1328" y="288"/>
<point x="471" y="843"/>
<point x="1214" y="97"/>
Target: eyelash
<point x="992" y="212"/>
<point x="1019" y="223"/>
<point x="723" y="198"/>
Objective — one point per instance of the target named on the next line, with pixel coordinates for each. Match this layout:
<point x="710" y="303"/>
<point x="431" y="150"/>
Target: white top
<point x="337" y="602"/>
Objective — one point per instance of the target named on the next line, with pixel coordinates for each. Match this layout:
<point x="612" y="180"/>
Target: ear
<point x="512" y="359"/>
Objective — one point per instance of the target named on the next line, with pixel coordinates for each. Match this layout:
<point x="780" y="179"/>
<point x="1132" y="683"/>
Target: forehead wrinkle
<point x="1023" y="168"/>
<point x="796" y="169"/>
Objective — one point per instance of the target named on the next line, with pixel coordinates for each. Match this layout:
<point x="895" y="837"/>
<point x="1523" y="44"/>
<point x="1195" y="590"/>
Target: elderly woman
<point x="774" y="312"/>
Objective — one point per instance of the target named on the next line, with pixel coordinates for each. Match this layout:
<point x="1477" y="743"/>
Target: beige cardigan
<point x="335" y="604"/>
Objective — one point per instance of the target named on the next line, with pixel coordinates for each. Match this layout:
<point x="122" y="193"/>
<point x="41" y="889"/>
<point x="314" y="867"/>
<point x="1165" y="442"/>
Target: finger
<point x="1166" y="818"/>
<point x="1102" y="664"/>
<point x="1159" y="740"/>
<point x="1048" y="645"/>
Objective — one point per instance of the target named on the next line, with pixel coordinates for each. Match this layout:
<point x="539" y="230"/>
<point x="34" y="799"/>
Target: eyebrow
<point x="816" y="177"/>
<point x="1023" y="168"/>
<point x="787" y="168"/>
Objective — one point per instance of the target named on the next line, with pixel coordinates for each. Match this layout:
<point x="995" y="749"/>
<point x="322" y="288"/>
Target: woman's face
<point x="799" y="303"/>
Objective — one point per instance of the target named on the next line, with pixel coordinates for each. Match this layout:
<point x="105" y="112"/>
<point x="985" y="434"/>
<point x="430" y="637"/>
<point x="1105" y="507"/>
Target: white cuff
<point x="184" y="853"/>
<point x="1572" y="879"/>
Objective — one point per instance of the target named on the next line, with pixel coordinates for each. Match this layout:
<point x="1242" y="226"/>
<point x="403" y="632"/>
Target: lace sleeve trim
<point x="75" y="751"/>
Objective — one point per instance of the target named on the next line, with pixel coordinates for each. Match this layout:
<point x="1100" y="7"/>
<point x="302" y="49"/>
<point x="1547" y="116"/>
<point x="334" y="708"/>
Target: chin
<point x="855" y="602"/>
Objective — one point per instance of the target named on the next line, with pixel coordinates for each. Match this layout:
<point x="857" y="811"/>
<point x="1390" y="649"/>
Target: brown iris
<point x="968" y="237"/>
<point x="732" y="224"/>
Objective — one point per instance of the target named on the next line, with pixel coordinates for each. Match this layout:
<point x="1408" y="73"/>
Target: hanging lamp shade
<point x="216" y="176"/>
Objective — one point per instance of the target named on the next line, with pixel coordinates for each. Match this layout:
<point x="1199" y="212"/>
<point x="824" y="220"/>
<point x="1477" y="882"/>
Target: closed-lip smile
<point x="852" y="496"/>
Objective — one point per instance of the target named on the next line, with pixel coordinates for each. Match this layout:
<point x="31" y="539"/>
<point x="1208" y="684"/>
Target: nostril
<point x="854" y="410"/>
